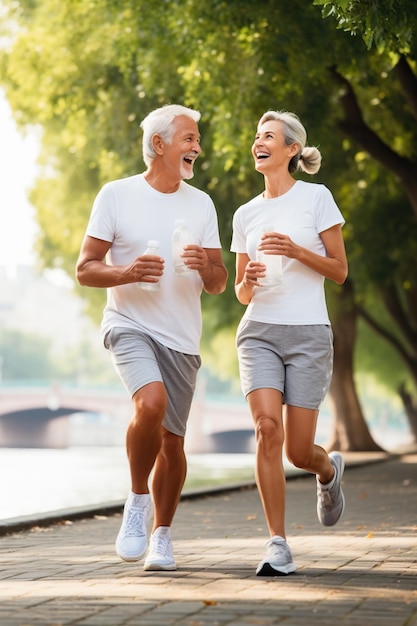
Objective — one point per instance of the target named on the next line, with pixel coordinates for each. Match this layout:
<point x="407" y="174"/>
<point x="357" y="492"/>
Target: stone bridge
<point x="38" y="417"/>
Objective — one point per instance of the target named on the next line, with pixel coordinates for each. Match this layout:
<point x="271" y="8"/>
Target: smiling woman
<point x="17" y="172"/>
<point x="284" y="340"/>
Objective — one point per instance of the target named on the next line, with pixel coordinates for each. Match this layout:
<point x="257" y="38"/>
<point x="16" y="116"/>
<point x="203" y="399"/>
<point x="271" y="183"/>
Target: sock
<point x="162" y="530"/>
<point x="138" y="499"/>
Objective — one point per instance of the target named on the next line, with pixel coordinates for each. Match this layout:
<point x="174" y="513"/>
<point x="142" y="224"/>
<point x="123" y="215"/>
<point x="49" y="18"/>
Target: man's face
<point x="180" y="154"/>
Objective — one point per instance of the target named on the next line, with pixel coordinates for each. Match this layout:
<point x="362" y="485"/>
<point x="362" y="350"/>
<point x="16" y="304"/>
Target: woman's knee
<point x="298" y="456"/>
<point x="268" y="431"/>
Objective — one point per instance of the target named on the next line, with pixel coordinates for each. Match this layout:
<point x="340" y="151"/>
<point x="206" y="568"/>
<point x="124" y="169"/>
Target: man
<point x="154" y="336"/>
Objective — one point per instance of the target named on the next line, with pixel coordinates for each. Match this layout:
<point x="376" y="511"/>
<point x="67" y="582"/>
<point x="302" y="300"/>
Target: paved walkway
<point x="362" y="572"/>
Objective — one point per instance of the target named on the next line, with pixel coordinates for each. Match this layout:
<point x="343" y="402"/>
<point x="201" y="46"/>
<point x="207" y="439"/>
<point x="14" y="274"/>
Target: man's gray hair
<point x="160" y="122"/>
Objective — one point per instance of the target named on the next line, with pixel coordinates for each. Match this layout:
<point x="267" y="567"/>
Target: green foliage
<point x="88" y="71"/>
<point x="385" y="24"/>
<point x="371" y="349"/>
<point x="24" y="356"/>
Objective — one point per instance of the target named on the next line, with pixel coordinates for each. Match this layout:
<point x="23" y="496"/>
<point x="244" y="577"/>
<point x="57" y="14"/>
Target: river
<point x="34" y="481"/>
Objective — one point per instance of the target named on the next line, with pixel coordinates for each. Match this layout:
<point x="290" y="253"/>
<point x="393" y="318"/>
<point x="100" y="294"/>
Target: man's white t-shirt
<point x="128" y="213"/>
<point x="302" y="213"/>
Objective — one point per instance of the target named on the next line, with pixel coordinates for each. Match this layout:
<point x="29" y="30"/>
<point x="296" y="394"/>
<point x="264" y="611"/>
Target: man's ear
<point x="158" y="144"/>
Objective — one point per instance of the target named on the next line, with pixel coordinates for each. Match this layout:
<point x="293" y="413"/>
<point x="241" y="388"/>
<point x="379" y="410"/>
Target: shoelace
<point x="276" y="548"/>
<point x="135" y="522"/>
<point x="325" y="497"/>
<point x="161" y="545"/>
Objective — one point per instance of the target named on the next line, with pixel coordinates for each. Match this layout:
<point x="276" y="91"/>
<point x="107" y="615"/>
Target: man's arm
<point x="209" y="264"/>
<point x="92" y="270"/>
<point x="214" y="277"/>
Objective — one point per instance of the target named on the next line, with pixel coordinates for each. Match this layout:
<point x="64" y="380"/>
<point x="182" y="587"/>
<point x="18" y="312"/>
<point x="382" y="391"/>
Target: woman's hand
<point x="277" y="243"/>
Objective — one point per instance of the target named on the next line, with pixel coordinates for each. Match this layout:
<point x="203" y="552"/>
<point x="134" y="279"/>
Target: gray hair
<point x="308" y="159"/>
<point x="160" y="122"/>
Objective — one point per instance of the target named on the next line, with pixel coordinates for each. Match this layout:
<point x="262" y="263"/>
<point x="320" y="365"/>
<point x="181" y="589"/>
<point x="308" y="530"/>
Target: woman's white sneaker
<point x="278" y="560"/>
<point x="330" y="498"/>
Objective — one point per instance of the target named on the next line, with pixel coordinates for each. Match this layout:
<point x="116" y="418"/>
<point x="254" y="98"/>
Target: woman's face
<point x="269" y="150"/>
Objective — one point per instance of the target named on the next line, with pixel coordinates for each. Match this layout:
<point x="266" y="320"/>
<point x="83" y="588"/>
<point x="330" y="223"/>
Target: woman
<point x="284" y="340"/>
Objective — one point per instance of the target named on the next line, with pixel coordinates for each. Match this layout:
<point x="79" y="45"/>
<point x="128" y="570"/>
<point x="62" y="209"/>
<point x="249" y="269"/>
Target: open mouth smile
<point x="189" y="159"/>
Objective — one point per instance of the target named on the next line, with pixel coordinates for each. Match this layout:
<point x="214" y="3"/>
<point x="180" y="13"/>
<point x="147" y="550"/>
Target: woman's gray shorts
<point x="296" y="360"/>
<point x="140" y="360"/>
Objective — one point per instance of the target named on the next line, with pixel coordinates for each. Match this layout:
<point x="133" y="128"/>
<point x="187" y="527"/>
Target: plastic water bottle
<point x="273" y="263"/>
<point x="181" y="237"/>
<point x="152" y="248"/>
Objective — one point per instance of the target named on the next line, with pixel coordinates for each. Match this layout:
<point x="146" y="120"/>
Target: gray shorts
<point x="296" y="360"/>
<point x="140" y="360"/>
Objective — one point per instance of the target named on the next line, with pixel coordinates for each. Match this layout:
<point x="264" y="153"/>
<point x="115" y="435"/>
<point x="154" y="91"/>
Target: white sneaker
<point x="160" y="556"/>
<point x="330" y="498"/>
<point x="278" y="560"/>
<point x="132" y="540"/>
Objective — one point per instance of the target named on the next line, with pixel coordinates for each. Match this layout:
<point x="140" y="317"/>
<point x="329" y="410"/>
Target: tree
<point x="384" y="24"/>
<point x="25" y="356"/>
<point x="87" y="72"/>
<point x="390" y="28"/>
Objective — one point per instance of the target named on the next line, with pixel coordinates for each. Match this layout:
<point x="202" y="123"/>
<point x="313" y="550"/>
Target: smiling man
<point x="154" y="335"/>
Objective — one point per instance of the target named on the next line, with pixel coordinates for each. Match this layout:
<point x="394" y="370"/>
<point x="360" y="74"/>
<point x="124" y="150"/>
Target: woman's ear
<point x="295" y="149"/>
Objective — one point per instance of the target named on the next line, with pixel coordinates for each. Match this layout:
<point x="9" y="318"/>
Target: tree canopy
<point x="89" y="71"/>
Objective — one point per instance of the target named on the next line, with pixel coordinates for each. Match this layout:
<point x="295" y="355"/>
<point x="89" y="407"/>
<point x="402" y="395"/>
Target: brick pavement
<point x="362" y="572"/>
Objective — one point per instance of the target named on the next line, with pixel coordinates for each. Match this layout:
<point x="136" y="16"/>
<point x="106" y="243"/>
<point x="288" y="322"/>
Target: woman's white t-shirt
<point x="129" y="212"/>
<point x="302" y="213"/>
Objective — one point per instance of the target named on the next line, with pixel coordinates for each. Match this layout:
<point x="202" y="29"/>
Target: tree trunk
<point x="403" y="311"/>
<point x="410" y="407"/>
<point x="350" y="431"/>
<point x="354" y="126"/>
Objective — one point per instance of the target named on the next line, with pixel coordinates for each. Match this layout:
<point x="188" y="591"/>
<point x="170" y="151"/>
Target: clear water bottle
<point x="152" y="248"/>
<point x="181" y="237"/>
<point x="273" y="262"/>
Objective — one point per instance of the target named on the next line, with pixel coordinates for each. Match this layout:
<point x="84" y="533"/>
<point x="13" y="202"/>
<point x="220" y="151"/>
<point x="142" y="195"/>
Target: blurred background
<point x="76" y="78"/>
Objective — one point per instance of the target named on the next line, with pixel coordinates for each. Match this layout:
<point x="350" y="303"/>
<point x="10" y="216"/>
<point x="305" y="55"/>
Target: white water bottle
<point x="181" y="237"/>
<point x="273" y="263"/>
<point x="152" y="248"/>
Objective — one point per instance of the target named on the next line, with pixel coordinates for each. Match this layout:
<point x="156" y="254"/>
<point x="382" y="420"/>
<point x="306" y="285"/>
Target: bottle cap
<point x="180" y="222"/>
<point x="153" y="243"/>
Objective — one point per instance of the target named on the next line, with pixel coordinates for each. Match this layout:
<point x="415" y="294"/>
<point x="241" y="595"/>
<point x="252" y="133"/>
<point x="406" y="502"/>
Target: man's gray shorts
<point x="296" y="360"/>
<point x="140" y="360"/>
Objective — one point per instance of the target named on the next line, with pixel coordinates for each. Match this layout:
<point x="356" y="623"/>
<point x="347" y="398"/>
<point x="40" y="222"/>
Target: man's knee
<point x="150" y="402"/>
<point x="171" y="442"/>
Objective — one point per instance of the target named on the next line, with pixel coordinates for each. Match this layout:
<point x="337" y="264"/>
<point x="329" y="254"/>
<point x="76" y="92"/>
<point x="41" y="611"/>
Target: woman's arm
<point x="247" y="274"/>
<point x="333" y="266"/>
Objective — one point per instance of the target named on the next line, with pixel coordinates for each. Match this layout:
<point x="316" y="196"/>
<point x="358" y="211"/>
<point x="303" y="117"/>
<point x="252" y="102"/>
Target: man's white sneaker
<point x="278" y="560"/>
<point x="330" y="498"/>
<point x="160" y="556"/>
<point x="132" y="541"/>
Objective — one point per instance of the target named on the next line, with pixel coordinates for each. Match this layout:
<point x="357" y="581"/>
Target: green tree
<point x="87" y="72"/>
<point x="384" y="24"/>
<point x="25" y="356"/>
